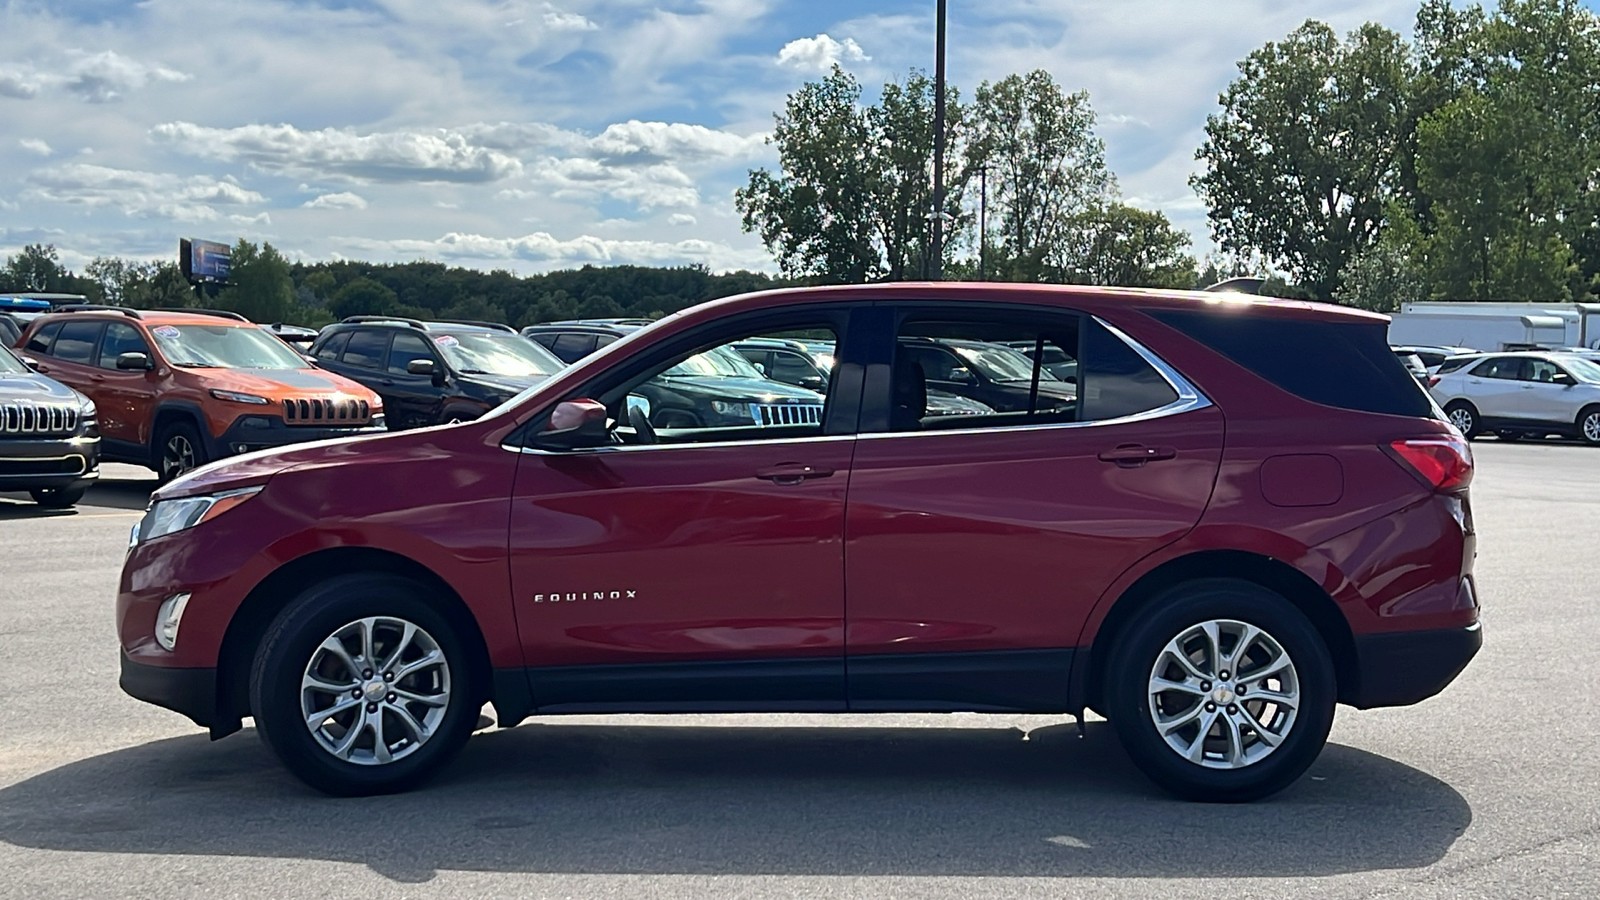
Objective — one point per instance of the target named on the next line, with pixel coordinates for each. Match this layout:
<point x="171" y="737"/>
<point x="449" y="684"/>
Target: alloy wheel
<point x="1461" y="418"/>
<point x="1224" y="694"/>
<point x="1591" y="427"/>
<point x="177" y="457"/>
<point x="375" y="690"/>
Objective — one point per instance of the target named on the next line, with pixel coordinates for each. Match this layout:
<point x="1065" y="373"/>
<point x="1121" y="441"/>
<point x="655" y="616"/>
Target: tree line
<point x="266" y="287"/>
<point x="1463" y="164"/>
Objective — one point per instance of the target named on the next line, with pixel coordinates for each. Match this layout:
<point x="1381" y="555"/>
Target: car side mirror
<point x="421" y="367"/>
<point x="760" y="367"/>
<point x="1563" y="379"/>
<point x="134" y="360"/>
<point x="30" y="362"/>
<point x="816" y="383"/>
<point x="573" y="425"/>
<point x="963" y="376"/>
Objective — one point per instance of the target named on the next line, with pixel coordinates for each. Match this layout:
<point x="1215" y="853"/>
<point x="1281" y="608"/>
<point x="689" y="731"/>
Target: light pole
<point x="983" y="221"/>
<point x="938" y="148"/>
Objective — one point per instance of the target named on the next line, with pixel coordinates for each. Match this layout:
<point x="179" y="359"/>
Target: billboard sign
<point x="202" y="261"/>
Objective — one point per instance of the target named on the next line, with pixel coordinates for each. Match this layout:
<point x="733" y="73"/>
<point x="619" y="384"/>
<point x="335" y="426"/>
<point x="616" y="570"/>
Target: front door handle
<point x="1132" y="456"/>
<point x="792" y="473"/>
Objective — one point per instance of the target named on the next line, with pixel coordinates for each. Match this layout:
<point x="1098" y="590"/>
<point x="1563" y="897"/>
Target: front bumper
<point x="1401" y="668"/>
<point x="192" y="692"/>
<point x="253" y="432"/>
<point x="27" y="463"/>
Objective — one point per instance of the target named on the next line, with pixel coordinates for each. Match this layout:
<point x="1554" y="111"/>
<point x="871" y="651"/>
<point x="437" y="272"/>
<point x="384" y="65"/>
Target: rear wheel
<point x="179" y="449"/>
<point x="1222" y="691"/>
<point x="1589" y="425"/>
<point x="57" y="498"/>
<point x="1464" y="416"/>
<point x="361" y="686"/>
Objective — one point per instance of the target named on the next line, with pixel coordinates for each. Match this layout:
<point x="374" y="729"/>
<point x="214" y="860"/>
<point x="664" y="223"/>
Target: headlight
<point x="737" y="410"/>
<point x="168" y="516"/>
<point x="237" y="397"/>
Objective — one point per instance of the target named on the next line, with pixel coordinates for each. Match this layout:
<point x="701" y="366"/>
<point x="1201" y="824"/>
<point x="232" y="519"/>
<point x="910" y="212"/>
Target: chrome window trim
<point x="1189" y="399"/>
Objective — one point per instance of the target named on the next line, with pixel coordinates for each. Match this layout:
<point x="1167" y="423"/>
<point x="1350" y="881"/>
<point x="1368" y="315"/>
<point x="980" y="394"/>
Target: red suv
<point x="1235" y="514"/>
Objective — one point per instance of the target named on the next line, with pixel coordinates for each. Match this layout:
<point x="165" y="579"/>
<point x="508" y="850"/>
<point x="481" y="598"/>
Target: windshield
<point x="1001" y="363"/>
<point x="721" y="362"/>
<point x="10" y="364"/>
<point x="224" y="347"/>
<point x="509" y="355"/>
<point x="1583" y="369"/>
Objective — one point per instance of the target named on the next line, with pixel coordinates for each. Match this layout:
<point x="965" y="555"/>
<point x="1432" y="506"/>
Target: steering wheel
<point x="642" y="428"/>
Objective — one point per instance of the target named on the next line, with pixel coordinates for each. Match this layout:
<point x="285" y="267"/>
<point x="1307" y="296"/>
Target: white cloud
<point x="556" y="20"/>
<point x="19" y="85"/>
<point x="341" y="200"/>
<point x="135" y="193"/>
<point x="107" y="76"/>
<point x="35" y="146"/>
<point x="544" y="248"/>
<point x="434" y="155"/>
<point x="681" y="219"/>
<point x="820" y="53"/>
<point x="655" y="142"/>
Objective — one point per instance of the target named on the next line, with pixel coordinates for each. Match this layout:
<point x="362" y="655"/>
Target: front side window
<point x="1540" y="370"/>
<point x="405" y="348"/>
<point x="367" y="349"/>
<point x="77" y="342"/>
<point x="120" y="338"/>
<point x="334" y="346"/>
<point x="224" y="347"/>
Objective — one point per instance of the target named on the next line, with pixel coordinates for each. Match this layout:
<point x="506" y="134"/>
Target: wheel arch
<point x="1088" y="675"/>
<point x="266" y="599"/>
<point x="175" y="411"/>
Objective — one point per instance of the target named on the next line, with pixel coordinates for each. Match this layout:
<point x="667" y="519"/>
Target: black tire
<point x="1510" y="437"/>
<point x="57" y="498"/>
<point x="292" y="643"/>
<point x="178" y="449"/>
<point x="1589" y="426"/>
<point x="1464" y="416"/>
<point x="1132" y="669"/>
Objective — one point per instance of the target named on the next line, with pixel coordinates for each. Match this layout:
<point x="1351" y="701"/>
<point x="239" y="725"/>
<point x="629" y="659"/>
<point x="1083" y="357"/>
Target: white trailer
<point x="1494" y="326"/>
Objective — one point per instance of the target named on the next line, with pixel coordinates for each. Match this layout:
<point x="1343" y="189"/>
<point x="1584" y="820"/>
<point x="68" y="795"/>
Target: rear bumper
<point x="1401" y="668"/>
<point x="192" y="692"/>
<point x="48" y="463"/>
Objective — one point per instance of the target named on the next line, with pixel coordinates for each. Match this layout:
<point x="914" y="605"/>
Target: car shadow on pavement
<point x="746" y="800"/>
<point x="107" y="493"/>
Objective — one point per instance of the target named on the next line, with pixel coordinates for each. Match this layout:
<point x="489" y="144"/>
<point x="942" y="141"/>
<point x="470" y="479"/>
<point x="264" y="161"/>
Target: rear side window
<point x="573" y="347"/>
<point x="367" y="349"/>
<point x="77" y="342"/>
<point x="1346" y="365"/>
<point x="40" y="342"/>
<point x="334" y="346"/>
<point x="1506" y="368"/>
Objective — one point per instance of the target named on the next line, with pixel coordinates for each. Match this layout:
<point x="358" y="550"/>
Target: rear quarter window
<point x="1348" y="365"/>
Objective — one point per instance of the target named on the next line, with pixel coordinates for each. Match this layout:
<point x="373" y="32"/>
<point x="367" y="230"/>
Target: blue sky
<point x="534" y="134"/>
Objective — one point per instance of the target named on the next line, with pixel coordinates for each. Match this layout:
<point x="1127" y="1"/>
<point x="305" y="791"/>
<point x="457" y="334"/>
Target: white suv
<point x="1517" y="395"/>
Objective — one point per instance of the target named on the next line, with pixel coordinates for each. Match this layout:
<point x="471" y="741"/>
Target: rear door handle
<point x="1132" y="456"/>
<point x="792" y="473"/>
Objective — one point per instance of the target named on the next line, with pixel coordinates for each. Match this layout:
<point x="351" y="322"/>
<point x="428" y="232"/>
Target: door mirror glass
<point x="421" y="367"/>
<point x="574" y="424"/>
<point x="134" y="360"/>
<point x="30" y="362"/>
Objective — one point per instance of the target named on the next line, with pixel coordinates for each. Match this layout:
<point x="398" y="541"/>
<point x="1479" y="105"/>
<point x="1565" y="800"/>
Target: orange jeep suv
<point x="176" y="390"/>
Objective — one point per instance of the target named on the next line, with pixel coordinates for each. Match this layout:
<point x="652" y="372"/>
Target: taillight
<point x="1443" y="461"/>
<point x="1433" y="380"/>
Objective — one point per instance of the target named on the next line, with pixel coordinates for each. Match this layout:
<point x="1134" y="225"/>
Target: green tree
<point x="902" y="190"/>
<point x="363" y="297"/>
<point x="1131" y="247"/>
<point x="260" y="286"/>
<point x="1307" y="150"/>
<point x="816" y="216"/>
<point x="1046" y="168"/>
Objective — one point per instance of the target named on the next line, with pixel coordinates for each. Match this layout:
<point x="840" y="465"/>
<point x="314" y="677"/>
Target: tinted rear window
<point x="1347" y="365"/>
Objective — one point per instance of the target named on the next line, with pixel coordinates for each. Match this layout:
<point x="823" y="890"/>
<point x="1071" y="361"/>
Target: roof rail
<point x="497" y="326"/>
<point x="96" y="307"/>
<point x="195" y="310"/>
<point x="394" y="320"/>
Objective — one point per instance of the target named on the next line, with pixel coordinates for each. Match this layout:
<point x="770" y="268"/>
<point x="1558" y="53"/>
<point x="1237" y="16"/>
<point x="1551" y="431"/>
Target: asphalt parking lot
<point x="1488" y="790"/>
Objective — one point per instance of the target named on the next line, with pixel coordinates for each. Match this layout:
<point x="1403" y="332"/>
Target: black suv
<point x="429" y="373"/>
<point x="995" y="375"/>
<point x="49" y="440"/>
<point x="793" y="362"/>
<point x="574" y="339"/>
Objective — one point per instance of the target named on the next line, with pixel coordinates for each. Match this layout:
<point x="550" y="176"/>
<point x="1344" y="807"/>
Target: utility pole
<point x="983" y="221"/>
<point x="938" y="150"/>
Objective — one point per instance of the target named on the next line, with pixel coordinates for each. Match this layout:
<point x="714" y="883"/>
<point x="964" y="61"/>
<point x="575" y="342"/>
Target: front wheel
<point x="361" y="686"/>
<point x="1222" y="691"/>
<point x="179" y="450"/>
<point x="1464" y="417"/>
<point x="1589" y="426"/>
